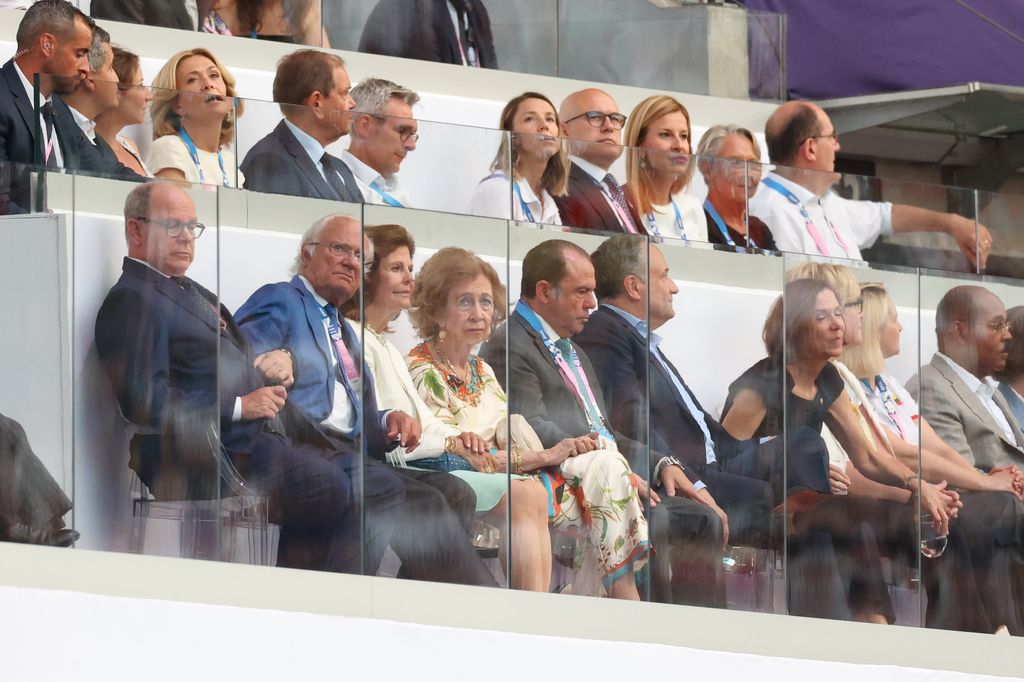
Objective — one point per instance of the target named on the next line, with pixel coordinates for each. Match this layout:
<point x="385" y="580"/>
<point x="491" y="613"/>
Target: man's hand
<point x="263" y="403"/>
<point x="276" y="367"/>
<point x="838" y="481"/>
<point x="674" y="481"/>
<point x="403" y="428"/>
<point x="705" y="498"/>
<point x="976" y="245"/>
<point x="585" y="443"/>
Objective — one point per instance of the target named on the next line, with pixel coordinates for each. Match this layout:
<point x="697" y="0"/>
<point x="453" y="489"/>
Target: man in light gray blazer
<point x="957" y="394"/>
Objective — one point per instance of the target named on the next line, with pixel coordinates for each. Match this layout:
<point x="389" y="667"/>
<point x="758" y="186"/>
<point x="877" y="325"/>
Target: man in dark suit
<point x="558" y="292"/>
<point x="184" y="377"/>
<point x="647" y="397"/>
<point x="166" y="13"/>
<point x="304" y="345"/>
<point x="312" y="88"/>
<point x="54" y="40"/>
<point x="595" y="199"/>
<point x="96" y="93"/>
<point x="446" y="31"/>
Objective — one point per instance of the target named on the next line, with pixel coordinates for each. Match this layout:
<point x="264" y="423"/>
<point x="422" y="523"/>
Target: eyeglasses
<point x="834" y="136"/>
<point x="405" y="132"/>
<point x="175" y="227"/>
<point x="340" y="250"/>
<point x="856" y="304"/>
<point x="597" y="118"/>
<point x="999" y="326"/>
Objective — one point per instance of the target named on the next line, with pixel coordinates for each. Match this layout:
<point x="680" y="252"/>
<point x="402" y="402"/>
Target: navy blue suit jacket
<point x="18" y="143"/>
<point x="621" y="358"/>
<point x="279" y="164"/>
<point x="176" y="375"/>
<point x="285" y="315"/>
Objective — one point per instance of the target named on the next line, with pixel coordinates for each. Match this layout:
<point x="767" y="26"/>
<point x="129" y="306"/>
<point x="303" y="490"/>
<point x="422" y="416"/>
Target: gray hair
<point x="97" y="55"/>
<point x="712" y="141"/>
<point x="373" y="94"/>
<point x="48" y="16"/>
<point x="136" y="205"/>
<point x="313" y="235"/>
<point x="617" y="258"/>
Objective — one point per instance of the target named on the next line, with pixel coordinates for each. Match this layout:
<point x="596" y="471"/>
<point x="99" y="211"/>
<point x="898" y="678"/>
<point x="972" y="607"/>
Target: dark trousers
<point x="321" y="499"/>
<point x="432" y="534"/>
<point x="798" y="461"/>
<point x="746" y="501"/>
<point x="28" y="494"/>
<point x="687" y="563"/>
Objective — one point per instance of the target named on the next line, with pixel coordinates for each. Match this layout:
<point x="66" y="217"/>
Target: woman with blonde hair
<point x="531" y="165"/>
<point x="194" y="111"/>
<point x="659" y="167"/>
<point x="457" y="303"/>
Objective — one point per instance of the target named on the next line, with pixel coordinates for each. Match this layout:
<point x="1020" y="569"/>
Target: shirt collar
<point x="87" y="125"/>
<point x="590" y="169"/>
<point x="654" y="339"/>
<point x="527" y="192"/>
<point x="984" y="386"/>
<point x="29" y="90"/>
<point x="149" y="266"/>
<point x="367" y="174"/>
<point x="803" y="194"/>
<point x="307" y="141"/>
<point x="309" y="287"/>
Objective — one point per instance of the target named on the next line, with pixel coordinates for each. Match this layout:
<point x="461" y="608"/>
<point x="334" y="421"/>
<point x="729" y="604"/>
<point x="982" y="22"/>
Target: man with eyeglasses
<point x="304" y="344"/>
<point x="958" y="396"/>
<point x="595" y="199"/>
<point x="383" y="133"/>
<point x="184" y="378"/>
<point x="804" y="214"/>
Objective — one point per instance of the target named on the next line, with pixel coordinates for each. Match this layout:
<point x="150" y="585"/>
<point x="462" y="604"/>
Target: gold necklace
<point x="453" y="377"/>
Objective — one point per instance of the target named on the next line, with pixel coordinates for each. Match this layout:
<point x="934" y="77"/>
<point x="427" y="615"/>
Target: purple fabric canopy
<point x="841" y="48"/>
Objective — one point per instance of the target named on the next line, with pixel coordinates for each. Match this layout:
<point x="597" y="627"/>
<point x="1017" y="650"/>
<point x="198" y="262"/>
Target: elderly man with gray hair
<point x="383" y="133"/>
<point x="305" y="345"/>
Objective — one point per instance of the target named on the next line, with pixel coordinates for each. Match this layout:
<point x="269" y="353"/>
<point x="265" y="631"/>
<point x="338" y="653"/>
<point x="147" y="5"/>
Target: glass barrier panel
<point x="146" y="331"/>
<point x="853" y="520"/>
<point x="708" y="340"/>
<point x="973" y="345"/>
<point x="562" y="400"/>
<point x="999" y="217"/>
<point x="36" y="412"/>
<point x="517" y="36"/>
<point x="433" y="292"/>
<point x="332" y="507"/>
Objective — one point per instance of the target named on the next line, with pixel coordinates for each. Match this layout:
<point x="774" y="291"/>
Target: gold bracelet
<point x="450" y="445"/>
<point x="517" y="461"/>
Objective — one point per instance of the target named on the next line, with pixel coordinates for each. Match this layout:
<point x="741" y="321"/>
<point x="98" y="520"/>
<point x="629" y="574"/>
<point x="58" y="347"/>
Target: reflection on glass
<point x="129" y="108"/>
<point x="294" y="21"/>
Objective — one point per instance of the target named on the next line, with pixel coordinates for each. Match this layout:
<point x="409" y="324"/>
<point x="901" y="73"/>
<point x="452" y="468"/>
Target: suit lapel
<point x="314" y="319"/>
<point x="591" y="191"/>
<point x="182" y="15"/>
<point x="970" y="398"/>
<point x="303" y="162"/>
<point x="21" y="99"/>
<point x="546" y="354"/>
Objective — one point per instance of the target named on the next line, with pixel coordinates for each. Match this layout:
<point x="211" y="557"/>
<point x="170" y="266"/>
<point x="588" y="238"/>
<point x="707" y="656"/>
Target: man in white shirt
<point x="805" y="216"/>
<point x="595" y="199"/>
<point x="97" y="92"/>
<point x="383" y="133"/>
<point x="957" y="395"/>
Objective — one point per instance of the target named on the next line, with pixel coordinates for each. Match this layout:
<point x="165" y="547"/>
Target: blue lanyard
<point x="888" y="402"/>
<point x="388" y="199"/>
<point x="194" y="153"/>
<point x="819" y="243"/>
<point x="653" y="224"/>
<point x="596" y="420"/>
<point x="527" y="213"/>
<point x="713" y="212"/>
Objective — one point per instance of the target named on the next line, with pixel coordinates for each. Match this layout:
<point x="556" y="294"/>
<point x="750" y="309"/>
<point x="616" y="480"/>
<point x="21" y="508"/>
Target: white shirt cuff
<point x="236" y="414"/>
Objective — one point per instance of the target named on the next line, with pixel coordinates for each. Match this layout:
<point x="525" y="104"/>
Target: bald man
<point x="805" y="216"/>
<point x="958" y="396"/>
<point x="595" y="200"/>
